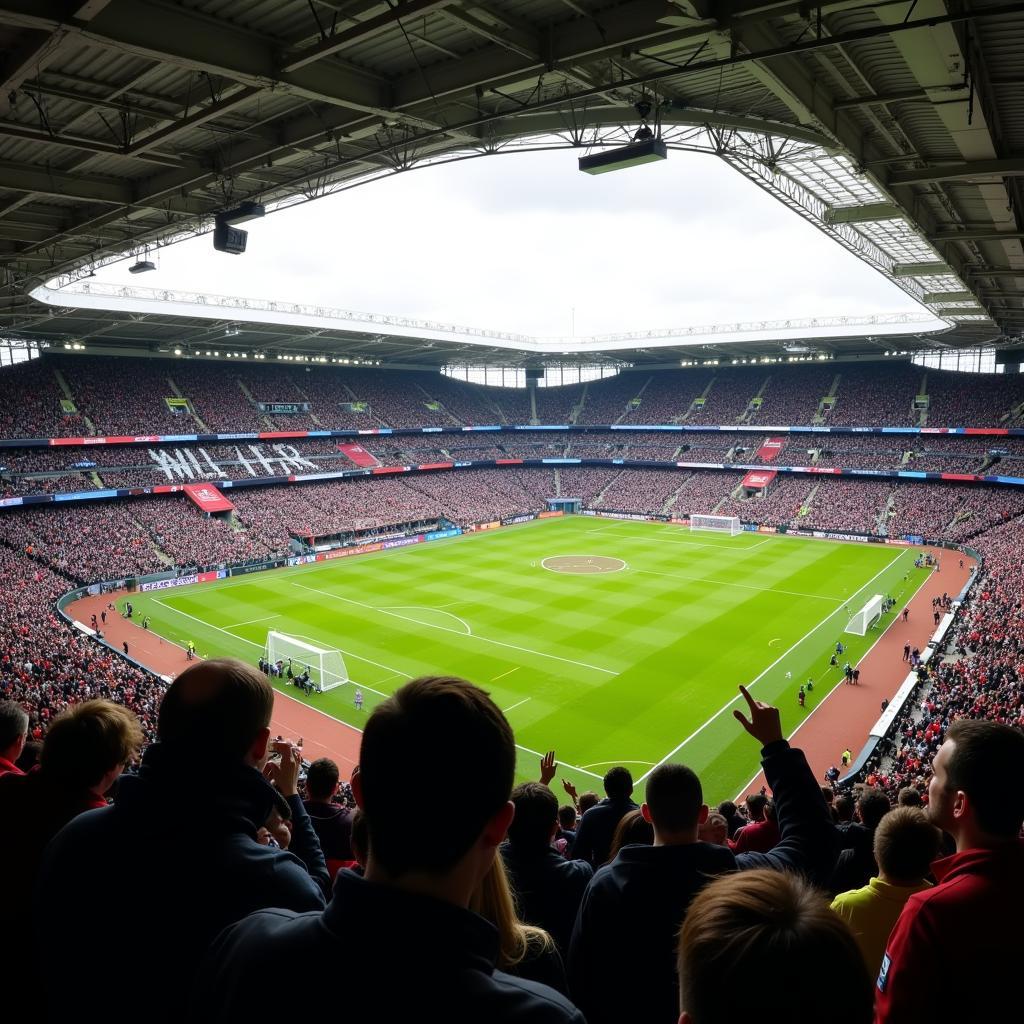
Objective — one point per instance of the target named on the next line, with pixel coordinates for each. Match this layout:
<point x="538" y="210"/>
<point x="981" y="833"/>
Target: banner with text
<point x="771" y="447"/>
<point x="758" y="478"/>
<point x="208" y="498"/>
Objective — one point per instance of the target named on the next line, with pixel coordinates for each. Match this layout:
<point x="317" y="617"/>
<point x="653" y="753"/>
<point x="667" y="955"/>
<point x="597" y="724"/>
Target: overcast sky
<point x="514" y="242"/>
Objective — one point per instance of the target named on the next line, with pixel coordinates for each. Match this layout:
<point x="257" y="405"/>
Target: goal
<point x="866" y="617"/>
<point x="719" y="524"/>
<point x="325" y="664"/>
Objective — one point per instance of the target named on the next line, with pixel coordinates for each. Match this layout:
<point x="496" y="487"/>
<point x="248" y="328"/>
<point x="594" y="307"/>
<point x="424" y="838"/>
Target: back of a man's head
<point x="756" y="803"/>
<point x="674" y="799"/>
<point x="984" y="760"/>
<point x="872" y="806"/>
<point x="536" y="814"/>
<point x="13" y="724"/>
<point x="216" y="709"/>
<point x="618" y="783"/>
<point x="321" y="779"/>
<point x="844" y="807"/>
<point x="451" y="732"/>
<point x="906" y="843"/>
<point x="566" y="817"/>
<point x="88" y="741"/>
<point x="908" y="796"/>
<point x="771" y="925"/>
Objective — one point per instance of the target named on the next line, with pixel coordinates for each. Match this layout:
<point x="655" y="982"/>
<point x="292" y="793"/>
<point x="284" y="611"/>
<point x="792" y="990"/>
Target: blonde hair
<point x="493" y="900"/>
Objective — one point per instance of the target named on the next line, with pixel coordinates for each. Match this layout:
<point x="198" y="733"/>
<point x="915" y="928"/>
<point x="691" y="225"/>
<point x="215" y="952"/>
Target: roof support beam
<point x="933" y="298"/>
<point x="1012" y="167"/>
<point x="923" y="95"/>
<point x="920" y="269"/>
<point x="976" y="236"/>
<point x="185" y="38"/>
<point x="863" y="214"/>
<point x="978" y="273"/>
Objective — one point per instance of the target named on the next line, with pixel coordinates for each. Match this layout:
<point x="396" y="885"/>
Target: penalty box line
<point x="261" y="647"/>
<point x="725" y="707"/>
<point x="252" y="643"/>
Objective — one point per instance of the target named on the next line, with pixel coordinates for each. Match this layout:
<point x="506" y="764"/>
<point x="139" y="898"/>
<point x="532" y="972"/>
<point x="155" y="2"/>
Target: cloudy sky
<point x="516" y="242"/>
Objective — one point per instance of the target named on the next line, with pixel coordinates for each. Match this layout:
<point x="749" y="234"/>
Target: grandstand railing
<point x="104" y="494"/>
<point x="572" y="428"/>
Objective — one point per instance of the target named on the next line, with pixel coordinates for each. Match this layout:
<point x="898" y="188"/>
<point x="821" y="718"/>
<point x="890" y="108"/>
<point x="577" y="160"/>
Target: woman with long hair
<point x="524" y="950"/>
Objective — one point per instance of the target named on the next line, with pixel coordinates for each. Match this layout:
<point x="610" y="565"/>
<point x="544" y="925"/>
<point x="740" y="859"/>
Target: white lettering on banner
<point x="174" y="464"/>
<point x="291" y="458"/>
<point x="197" y="463"/>
<point x="255" y="449"/>
<point x="215" y="470"/>
<point x="245" y="462"/>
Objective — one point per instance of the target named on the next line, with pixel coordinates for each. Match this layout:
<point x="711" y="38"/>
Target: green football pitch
<point x="611" y="642"/>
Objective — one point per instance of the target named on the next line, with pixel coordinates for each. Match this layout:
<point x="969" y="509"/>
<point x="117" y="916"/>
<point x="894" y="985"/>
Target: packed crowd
<point x="792" y="394"/>
<point x="504" y="905"/>
<point x="835" y="503"/>
<point x="128" y="396"/>
<point x="879" y="395"/>
<point x="486" y="915"/>
<point x="780" y="505"/>
<point x="650" y="492"/>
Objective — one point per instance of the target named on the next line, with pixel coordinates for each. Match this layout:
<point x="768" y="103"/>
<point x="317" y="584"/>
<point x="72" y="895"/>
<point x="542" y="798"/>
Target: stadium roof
<point x="150" y="320"/>
<point x="896" y="127"/>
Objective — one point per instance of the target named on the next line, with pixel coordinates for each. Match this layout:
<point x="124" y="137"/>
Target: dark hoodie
<point x="134" y="893"/>
<point x="409" y="958"/>
<point x="622" y="957"/>
<point x="333" y="826"/>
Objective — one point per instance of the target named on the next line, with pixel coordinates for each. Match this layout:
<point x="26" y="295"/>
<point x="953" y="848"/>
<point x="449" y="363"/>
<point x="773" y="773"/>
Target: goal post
<point x="326" y="665"/>
<point x="863" y="620"/>
<point x="717" y="524"/>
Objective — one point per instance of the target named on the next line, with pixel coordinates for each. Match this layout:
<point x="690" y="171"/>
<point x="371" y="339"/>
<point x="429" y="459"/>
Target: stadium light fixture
<point x="141" y="267"/>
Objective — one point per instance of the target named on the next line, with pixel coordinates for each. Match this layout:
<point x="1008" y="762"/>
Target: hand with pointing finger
<point x="764" y="723"/>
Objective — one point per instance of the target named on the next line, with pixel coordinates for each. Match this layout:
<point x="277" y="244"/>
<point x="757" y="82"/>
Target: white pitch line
<point x="565" y="764"/>
<point x="248" y="622"/>
<point x="725" y="707"/>
<point x="503" y="674"/>
<point x="258" y="646"/>
<point x="505" y="711"/>
<point x="426" y="608"/>
<point x="743" y="586"/>
<point x="598" y="764"/>
<point x="445" y="629"/>
<point x="835" y="687"/>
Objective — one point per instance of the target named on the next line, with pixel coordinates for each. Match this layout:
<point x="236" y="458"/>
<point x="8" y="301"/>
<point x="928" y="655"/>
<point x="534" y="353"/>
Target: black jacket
<point x="856" y="864"/>
<point x="597" y="829"/>
<point x="622" y="963"/>
<point x="134" y="893"/>
<point x="548" y="889"/>
<point x="333" y="826"/>
<point x="405" y="958"/>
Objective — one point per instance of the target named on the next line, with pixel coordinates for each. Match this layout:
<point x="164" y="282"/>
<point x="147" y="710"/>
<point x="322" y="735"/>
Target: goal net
<point x="866" y="617"/>
<point x="325" y="665"/>
<point x="719" y="524"/>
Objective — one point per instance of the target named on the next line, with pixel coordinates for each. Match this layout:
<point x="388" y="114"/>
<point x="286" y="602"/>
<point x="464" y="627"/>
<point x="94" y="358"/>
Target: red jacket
<point x="958" y="946"/>
<point x="9" y="767"/>
<point x="757" y="837"/>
